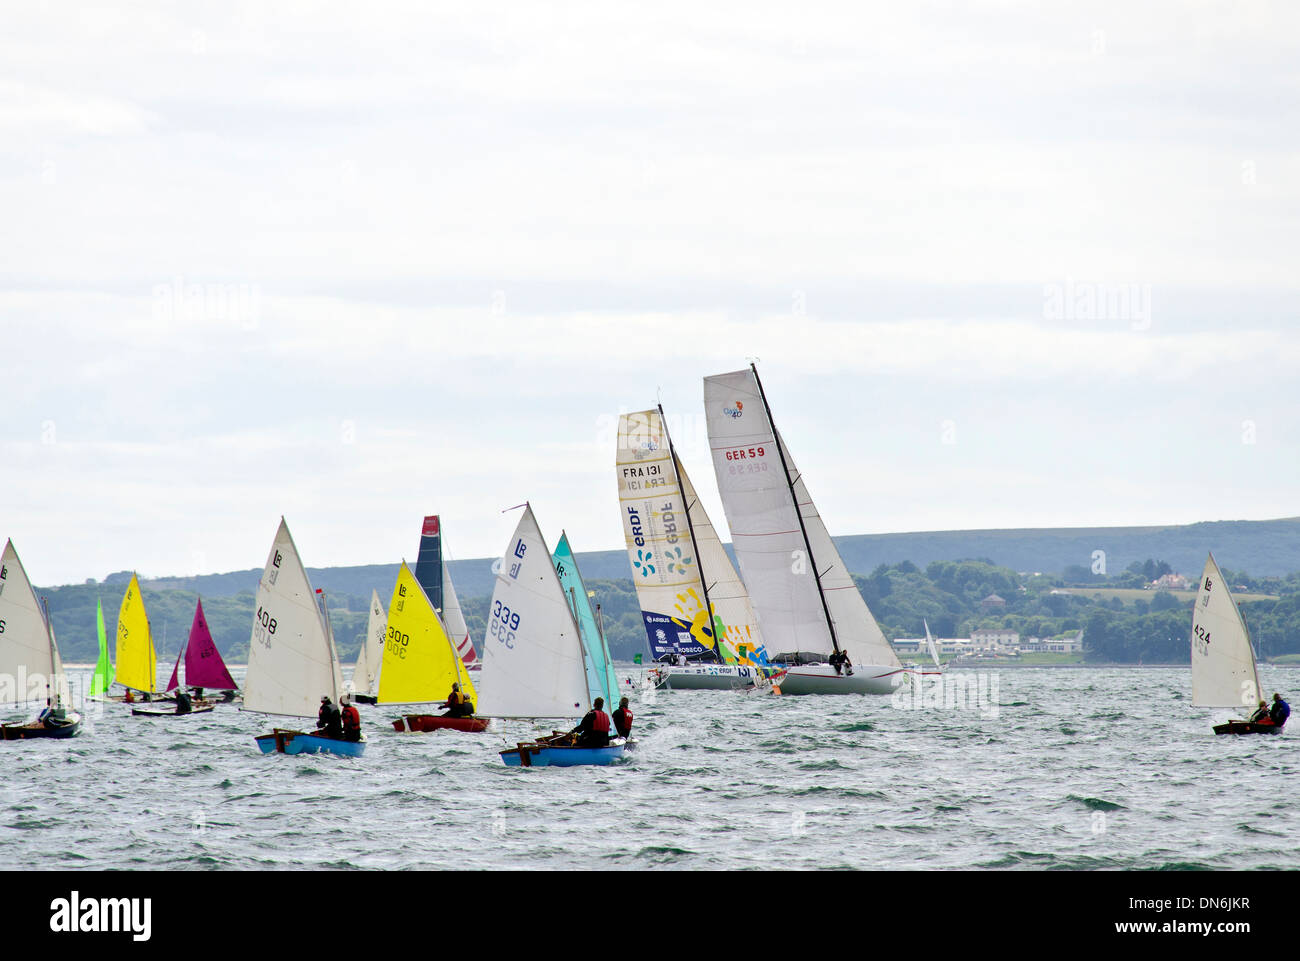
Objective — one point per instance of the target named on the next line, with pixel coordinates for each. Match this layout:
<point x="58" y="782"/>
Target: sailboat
<point x="1224" y="673"/>
<point x="102" y="680"/>
<point x="204" y="670"/>
<point x="364" y="685"/>
<point x="534" y="663"/>
<point x="420" y="662"/>
<point x="929" y="643"/>
<point x="434" y="576"/>
<point x="806" y="600"/>
<point x="601" y="680"/>
<point x="292" y="661"/>
<point x="693" y="605"/>
<point x="30" y="666"/>
<point x="137" y="661"/>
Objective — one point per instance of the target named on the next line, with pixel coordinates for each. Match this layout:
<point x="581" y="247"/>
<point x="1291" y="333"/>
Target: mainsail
<point x="203" y="664"/>
<point x="679" y="565"/>
<point x="291" y="658"/>
<point x="102" y="679"/>
<point x="365" y="676"/>
<point x="601" y="681"/>
<point x="432" y="573"/>
<point x="420" y="663"/>
<point x="803" y="592"/>
<point x="30" y="666"/>
<point x="137" y="661"/>
<point x="532" y="655"/>
<point x="1223" y="663"/>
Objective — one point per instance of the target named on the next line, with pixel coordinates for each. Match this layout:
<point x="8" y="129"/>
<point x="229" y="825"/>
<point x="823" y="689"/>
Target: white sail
<point x="765" y="530"/>
<point x="1223" y="663"/>
<point x="365" y="676"/>
<point x="929" y="642"/>
<point x="532" y="655"/>
<point x="768" y="512"/>
<point x="454" y="618"/>
<point x="30" y="667"/>
<point x="291" y="658"/>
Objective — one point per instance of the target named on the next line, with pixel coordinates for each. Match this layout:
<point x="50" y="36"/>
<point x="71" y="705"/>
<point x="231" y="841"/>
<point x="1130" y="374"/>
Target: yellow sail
<point x="420" y="662"/>
<point x="137" y="662"/>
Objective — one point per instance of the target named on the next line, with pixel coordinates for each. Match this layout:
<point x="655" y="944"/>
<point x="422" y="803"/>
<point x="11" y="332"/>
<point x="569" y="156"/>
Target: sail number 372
<point x="503" y="624"/>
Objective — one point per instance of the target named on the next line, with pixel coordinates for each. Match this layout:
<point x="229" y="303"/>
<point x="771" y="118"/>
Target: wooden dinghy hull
<point x="1246" y="727"/>
<point x="146" y="712"/>
<point x="299" y="742"/>
<point x="427" y="723"/>
<point x="23" y="732"/>
<point x="542" y="754"/>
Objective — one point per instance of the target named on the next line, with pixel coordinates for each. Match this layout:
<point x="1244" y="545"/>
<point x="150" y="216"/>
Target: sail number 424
<point x="503" y="624"/>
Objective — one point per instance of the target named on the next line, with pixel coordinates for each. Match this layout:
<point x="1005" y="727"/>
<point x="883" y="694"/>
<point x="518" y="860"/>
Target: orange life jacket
<point x="600" y="723"/>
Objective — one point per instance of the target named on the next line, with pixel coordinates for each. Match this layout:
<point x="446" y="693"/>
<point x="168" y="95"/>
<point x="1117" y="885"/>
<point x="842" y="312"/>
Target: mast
<point x="812" y="561"/>
<point x="329" y="639"/>
<point x="56" y="697"/>
<point x="690" y="529"/>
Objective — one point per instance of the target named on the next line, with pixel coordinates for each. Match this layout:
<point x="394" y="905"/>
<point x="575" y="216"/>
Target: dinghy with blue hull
<point x="299" y="742"/>
<point x="541" y="754"/>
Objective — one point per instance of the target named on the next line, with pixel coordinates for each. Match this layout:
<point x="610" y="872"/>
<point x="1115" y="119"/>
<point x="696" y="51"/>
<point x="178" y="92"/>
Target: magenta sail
<point x="174" y="683"/>
<point x="203" y="664"/>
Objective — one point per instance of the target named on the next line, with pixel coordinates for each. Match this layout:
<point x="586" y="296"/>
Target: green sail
<point x="103" y="677"/>
<point x="601" y="681"/>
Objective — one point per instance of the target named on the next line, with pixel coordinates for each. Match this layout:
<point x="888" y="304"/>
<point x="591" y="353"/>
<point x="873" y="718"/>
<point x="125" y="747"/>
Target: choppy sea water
<point x="1076" y="768"/>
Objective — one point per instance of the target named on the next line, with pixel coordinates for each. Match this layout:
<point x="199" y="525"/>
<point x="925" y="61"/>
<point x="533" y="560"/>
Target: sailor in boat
<point x="1280" y="712"/>
<point x="351" y="720"/>
<point x="128" y="698"/>
<point x="1260" y="715"/>
<point x="457" y="704"/>
<point x="623" y="719"/>
<point x="183" y="703"/>
<point x="593" y="731"/>
<point x="328" y="722"/>
<point x="840" y="661"/>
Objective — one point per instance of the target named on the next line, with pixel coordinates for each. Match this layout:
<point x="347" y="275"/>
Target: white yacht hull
<point x="705" y="677"/>
<point x="822" y="679"/>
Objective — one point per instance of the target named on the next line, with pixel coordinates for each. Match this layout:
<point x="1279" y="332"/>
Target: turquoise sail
<point x="601" y="681"/>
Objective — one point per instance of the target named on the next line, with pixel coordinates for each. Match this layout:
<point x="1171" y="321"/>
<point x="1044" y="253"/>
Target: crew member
<point x="1281" y="710"/>
<point x="1261" y="714"/>
<point x="328" y="722"/>
<point x="457" y="704"/>
<point x="351" y="721"/>
<point x="623" y="719"/>
<point x="183" y="703"/>
<point x="593" y="731"/>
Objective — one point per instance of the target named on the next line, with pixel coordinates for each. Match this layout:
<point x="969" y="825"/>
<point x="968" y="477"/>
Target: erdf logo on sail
<point x="74" y="915"/>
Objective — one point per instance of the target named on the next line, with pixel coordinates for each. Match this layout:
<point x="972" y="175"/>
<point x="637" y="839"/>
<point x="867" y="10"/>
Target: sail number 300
<point x="503" y="625"/>
<point x="398" y="642"/>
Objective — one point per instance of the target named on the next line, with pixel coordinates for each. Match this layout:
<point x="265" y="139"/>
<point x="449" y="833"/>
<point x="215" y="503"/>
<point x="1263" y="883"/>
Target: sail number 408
<point x="503" y="625"/>
<point x="265" y="626"/>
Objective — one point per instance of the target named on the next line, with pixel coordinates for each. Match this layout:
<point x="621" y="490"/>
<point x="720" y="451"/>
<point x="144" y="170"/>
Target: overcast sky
<point x="1002" y="264"/>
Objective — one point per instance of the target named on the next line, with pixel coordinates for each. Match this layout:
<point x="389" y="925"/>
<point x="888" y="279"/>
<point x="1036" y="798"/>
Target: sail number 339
<point x="503" y="624"/>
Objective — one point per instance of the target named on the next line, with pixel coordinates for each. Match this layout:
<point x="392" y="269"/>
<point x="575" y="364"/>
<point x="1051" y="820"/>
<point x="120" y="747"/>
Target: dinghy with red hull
<point x="421" y="664"/>
<point x="428" y="723"/>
